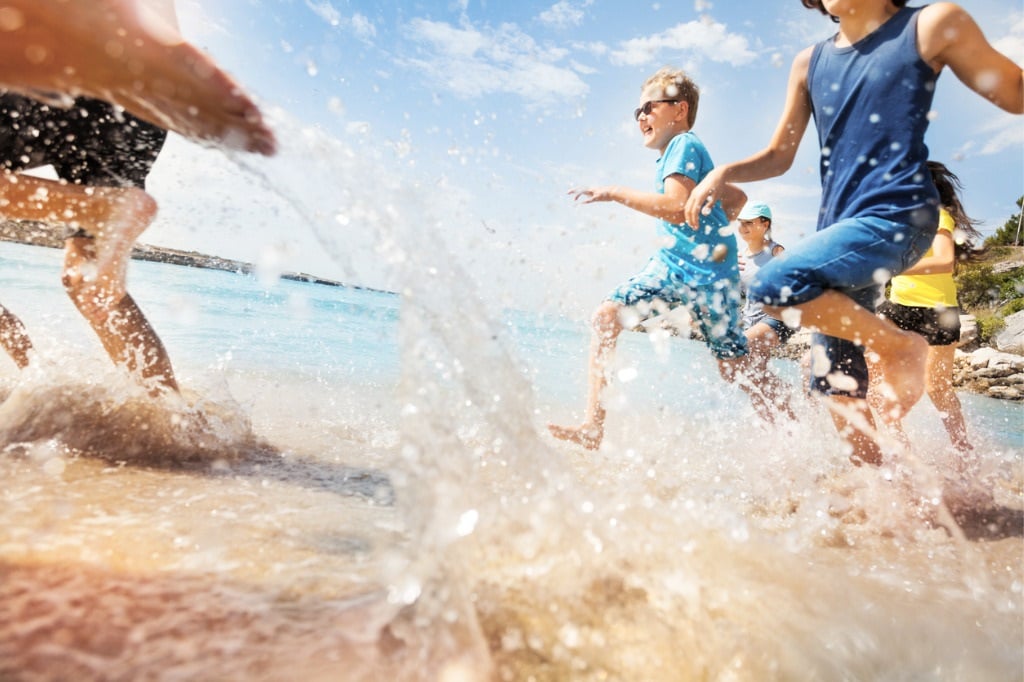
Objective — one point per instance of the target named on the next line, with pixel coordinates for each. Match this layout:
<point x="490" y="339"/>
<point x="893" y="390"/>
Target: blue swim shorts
<point x="855" y="256"/>
<point x="715" y="307"/>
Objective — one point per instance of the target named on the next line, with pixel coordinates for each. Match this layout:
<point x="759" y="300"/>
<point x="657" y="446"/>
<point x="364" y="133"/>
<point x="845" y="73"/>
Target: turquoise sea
<point x="357" y="485"/>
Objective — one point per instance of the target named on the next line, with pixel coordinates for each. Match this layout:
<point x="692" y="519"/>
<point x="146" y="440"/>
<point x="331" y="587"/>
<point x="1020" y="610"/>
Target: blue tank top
<point x="870" y="103"/>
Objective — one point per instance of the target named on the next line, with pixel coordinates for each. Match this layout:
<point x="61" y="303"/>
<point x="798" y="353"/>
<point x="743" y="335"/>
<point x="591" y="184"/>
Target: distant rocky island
<point x="51" y="236"/>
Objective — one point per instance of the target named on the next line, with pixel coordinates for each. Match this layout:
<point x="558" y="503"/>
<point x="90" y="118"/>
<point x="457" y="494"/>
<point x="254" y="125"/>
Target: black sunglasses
<point x="648" y="106"/>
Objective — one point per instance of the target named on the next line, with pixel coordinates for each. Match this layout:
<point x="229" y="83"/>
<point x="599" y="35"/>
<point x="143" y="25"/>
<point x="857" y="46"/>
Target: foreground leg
<point x="14" y="338"/>
<point x="113" y="216"/>
<point x="116" y="51"/>
<point x="606" y="330"/>
<point x="123" y="330"/>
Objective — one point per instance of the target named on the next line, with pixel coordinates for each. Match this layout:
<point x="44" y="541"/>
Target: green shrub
<point x="1014" y="306"/>
<point x="989" y="324"/>
<point x="977" y="285"/>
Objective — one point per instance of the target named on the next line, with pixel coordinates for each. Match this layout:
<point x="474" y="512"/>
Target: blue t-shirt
<point x="691" y="252"/>
<point x="871" y="102"/>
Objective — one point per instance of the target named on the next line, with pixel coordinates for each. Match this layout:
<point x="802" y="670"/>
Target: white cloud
<point x="359" y="24"/>
<point x="1004" y="132"/>
<point x="1012" y="44"/>
<point x="471" y="62"/>
<point x="595" y="48"/>
<point x="363" y="27"/>
<point x="707" y="39"/>
<point x="325" y="11"/>
<point x="564" y="13"/>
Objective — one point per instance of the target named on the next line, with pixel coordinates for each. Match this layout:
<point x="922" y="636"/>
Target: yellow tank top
<point x="927" y="291"/>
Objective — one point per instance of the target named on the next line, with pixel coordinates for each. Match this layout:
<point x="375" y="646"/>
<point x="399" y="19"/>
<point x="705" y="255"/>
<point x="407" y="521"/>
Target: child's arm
<point x="773" y="160"/>
<point x="948" y="36"/>
<point x="668" y="206"/>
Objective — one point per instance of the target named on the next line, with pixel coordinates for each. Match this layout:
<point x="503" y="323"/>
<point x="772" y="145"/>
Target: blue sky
<point x="483" y="115"/>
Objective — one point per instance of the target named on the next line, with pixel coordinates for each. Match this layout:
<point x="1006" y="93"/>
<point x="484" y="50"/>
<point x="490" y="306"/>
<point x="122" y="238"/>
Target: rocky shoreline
<point x="990" y="372"/>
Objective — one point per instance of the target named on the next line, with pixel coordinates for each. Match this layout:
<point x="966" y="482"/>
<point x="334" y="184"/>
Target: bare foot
<point x="111" y="50"/>
<point x="901" y="376"/>
<point x="587" y="435"/>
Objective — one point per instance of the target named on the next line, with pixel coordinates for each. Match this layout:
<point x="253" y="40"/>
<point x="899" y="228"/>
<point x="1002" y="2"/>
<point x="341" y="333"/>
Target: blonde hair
<point x="675" y="84"/>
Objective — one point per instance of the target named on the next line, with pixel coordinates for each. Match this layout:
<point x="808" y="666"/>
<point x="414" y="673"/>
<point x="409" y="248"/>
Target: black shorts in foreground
<point x="940" y="327"/>
<point x="89" y="143"/>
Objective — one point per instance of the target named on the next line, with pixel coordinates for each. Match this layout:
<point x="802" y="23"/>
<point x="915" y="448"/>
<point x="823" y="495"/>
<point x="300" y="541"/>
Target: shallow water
<point x="308" y="511"/>
<point x="356" y="485"/>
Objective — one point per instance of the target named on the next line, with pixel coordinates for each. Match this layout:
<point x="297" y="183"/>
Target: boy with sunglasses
<point x="697" y="266"/>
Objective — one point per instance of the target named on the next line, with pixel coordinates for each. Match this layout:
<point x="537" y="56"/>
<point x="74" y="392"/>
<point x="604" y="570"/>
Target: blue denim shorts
<point x="715" y="307"/>
<point x="781" y="329"/>
<point x="856" y="257"/>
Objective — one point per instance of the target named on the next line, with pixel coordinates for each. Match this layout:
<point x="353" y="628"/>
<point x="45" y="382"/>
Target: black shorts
<point x="90" y="143"/>
<point x="940" y="327"/>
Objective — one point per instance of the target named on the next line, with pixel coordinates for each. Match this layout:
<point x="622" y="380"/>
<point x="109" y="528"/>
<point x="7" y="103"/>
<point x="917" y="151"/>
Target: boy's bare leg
<point x="761" y="338"/>
<point x="114" y="50"/>
<point x="606" y="330"/>
<point x="901" y="356"/>
<point x="14" y="338"/>
<point x="856" y="426"/>
<point x="123" y="330"/>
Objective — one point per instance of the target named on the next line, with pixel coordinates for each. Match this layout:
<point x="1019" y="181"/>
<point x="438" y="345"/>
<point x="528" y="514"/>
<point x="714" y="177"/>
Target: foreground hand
<point x="703" y="197"/>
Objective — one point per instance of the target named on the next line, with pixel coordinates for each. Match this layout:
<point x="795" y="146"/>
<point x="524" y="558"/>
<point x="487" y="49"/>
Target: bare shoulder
<point x="801" y="66"/>
<point x="802" y="60"/>
<point x="941" y="24"/>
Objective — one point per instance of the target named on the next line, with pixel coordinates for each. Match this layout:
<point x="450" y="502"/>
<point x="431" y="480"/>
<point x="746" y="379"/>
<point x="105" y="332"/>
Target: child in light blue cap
<point x="763" y="331"/>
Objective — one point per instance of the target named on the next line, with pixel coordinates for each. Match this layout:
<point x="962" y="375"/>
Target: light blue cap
<point x="755" y="209"/>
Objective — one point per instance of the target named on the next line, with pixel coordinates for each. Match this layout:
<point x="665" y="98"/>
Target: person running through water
<point x="869" y="88"/>
<point x="923" y="299"/>
<point x="763" y="331"/>
<point x="72" y="70"/>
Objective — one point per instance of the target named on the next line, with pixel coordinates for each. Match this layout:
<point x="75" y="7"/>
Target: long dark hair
<point x="965" y="235"/>
<point x="816" y="4"/>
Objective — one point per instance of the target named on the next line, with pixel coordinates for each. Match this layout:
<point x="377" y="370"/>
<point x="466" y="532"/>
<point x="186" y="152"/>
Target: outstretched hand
<point x="589" y="195"/>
